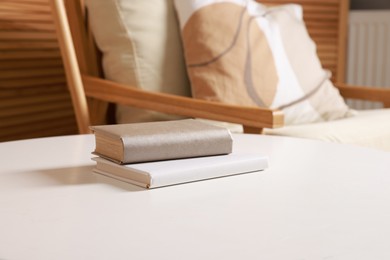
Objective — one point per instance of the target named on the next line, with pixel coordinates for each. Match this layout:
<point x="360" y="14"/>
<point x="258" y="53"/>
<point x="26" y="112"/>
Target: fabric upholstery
<point x="370" y="128"/>
<point x="141" y="46"/>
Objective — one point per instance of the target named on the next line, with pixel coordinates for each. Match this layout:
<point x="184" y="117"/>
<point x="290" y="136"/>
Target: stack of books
<point x="157" y="154"/>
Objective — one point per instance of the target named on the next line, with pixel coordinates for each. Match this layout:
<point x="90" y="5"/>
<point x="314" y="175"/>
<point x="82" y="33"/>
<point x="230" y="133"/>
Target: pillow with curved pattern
<point x="245" y="53"/>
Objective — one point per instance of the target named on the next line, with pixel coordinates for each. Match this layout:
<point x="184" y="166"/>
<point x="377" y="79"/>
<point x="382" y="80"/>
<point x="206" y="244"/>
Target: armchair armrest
<point x="250" y="117"/>
<point x="365" y="93"/>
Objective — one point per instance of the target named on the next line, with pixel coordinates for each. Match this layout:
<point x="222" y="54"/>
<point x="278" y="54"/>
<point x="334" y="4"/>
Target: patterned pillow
<point x="245" y="53"/>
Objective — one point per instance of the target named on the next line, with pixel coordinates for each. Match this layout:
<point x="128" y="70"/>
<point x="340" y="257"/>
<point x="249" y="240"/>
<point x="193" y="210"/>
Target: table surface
<point x="317" y="200"/>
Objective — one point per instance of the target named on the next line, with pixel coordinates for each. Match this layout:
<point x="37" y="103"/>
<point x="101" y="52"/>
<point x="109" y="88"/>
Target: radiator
<point x="368" y="54"/>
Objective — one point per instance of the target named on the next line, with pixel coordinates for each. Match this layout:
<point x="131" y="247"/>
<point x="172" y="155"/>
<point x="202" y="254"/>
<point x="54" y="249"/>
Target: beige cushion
<point x="370" y="128"/>
<point x="279" y="67"/>
<point x="141" y="46"/>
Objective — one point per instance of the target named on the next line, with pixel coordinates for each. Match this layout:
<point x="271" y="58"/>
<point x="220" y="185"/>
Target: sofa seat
<point x="370" y="128"/>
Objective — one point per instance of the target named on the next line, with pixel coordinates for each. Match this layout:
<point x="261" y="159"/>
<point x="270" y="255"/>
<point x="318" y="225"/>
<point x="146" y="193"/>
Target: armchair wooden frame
<point x="327" y="23"/>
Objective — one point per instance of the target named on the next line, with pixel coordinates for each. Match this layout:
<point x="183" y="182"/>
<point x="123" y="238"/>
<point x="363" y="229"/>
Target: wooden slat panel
<point x="48" y="113"/>
<point x="39" y="108"/>
<point x="23" y="17"/>
<point x="34" y="98"/>
<point x="31" y="92"/>
<point x="31" y="82"/>
<point x="309" y="16"/>
<point x="43" y="3"/>
<point x="26" y="73"/>
<point x="22" y="25"/>
<point x="27" y="35"/>
<point x="21" y="55"/>
<point x="23" y="7"/>
<point x="313" y="25"/>
<point x="315" y="8"/>
<point x="28" y="45"/>
<point x="30" y="63"/>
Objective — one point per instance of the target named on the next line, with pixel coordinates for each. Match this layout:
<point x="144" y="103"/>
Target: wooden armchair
<point x="327" y="24"/>
<point x="82" y="67"/>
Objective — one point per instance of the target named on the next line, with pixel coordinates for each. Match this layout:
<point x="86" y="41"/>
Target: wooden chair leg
<point x="252" y="130"/>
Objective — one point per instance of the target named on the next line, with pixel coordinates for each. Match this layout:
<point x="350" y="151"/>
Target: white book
<point x="164" y="173"/>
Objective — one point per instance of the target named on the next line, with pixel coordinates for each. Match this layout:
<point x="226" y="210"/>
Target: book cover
<point x="170" y="172"/>
<point x="152" y="141"/>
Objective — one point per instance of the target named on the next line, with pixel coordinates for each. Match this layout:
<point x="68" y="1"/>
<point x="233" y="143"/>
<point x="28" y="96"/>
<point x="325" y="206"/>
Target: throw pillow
<point x="245" y="53"/>
<point x="141" y="47"/>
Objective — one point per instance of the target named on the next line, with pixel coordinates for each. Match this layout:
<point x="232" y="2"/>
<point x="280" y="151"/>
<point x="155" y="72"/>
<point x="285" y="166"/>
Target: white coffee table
<point x="316" y="201"/>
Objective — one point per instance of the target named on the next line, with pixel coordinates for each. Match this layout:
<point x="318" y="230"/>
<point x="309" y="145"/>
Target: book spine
<point x="176" y="146"/>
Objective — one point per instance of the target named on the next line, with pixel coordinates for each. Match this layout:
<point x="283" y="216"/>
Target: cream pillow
<point x="141" y="46"/>
<point x="245" y="53"/>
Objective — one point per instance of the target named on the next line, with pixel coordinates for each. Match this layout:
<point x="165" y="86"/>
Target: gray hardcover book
<point x="153" y="141"/>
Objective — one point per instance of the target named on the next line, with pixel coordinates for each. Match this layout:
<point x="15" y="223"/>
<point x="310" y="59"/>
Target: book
<point x="170" y="172"/>
<point x="153" y="141"/>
